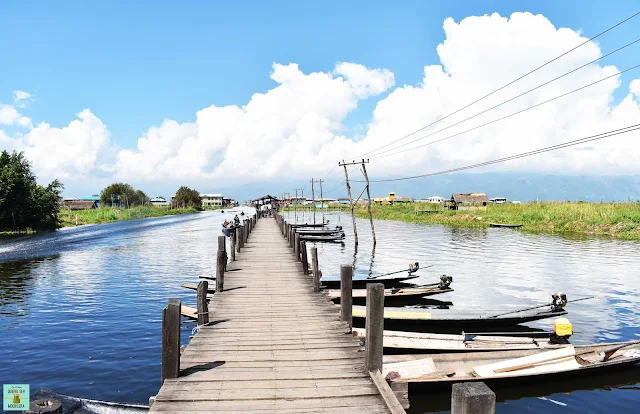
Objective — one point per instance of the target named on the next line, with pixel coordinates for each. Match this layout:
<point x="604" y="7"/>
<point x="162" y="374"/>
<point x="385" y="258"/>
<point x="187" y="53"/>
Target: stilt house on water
<point x="467" y="201"/>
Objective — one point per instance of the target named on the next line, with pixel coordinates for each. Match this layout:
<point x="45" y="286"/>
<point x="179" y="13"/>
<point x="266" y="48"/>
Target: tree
<point x="122" y="195"/>
<point x="24" y="203"/>
<point x="186" y="197"/>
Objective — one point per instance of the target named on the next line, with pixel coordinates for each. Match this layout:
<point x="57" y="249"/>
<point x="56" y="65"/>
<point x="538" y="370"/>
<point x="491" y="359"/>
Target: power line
<point x="506" y="116"/>
<point x="504" y="86"/>
<point x="507" y="101"/>
<point x="521" y="155"/>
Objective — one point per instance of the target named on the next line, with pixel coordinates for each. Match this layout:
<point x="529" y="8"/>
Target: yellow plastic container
<point x="562" y="327"/>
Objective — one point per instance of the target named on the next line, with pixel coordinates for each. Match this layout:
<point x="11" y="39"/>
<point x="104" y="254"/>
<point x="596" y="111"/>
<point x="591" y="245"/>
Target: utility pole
<point x="321" y="200"/>
<point x="353" y="217"/>
<point x="313" y="200"/>
<point x="366" y="177"/>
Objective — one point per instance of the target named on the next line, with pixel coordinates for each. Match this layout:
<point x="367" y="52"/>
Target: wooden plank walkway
<point x="272" y="345"/>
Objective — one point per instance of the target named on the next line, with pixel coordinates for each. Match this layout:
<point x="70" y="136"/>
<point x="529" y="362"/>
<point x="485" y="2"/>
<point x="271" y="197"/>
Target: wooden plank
<point x="273" y="345"/>
<point x="387" y="394"/>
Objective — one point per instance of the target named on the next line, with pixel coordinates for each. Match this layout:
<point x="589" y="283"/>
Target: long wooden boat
<point x="327" y="238"/>
<point x="77" y="405"/>
<point x="391" y="294"/>
<point x="514" y="367"/>
<point x="451" y="319"/>
<point x="318" y="232"/>
<point x="298" y="225"/>
<point x="506" y="226"/>
<point x="360" y="282"/>
<point x="460" y="342"/>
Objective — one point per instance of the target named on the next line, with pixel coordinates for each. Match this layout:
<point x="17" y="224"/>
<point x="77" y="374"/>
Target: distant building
<point x="159" y="202"/>
<point x="432" y="200"/>
<point x="77" y="204"/>
<point x="498" y="200"/>
<point x="211" y="200"/>
<point x="392" y="198"/>
<point x="468" y="201"/>
<point x="343" y="200"/>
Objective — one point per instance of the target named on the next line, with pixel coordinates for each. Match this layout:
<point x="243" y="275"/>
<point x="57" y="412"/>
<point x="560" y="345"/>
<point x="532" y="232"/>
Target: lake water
<point x="80" y="309"/>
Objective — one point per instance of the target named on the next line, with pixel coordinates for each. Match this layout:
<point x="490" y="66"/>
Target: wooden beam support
<point x="346" y="294"/>
<point x="171" y="339"/>
<point x="374" y="325"/>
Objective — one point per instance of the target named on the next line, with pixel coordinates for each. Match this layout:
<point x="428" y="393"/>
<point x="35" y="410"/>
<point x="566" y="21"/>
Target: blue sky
<point x="135" y="63"/>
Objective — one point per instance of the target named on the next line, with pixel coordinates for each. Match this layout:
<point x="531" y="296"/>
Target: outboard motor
<point x="445" y="281"/>
<point x="559" y="301"/>
<point x="562" y="330"/>
<point x="413" y="267"/>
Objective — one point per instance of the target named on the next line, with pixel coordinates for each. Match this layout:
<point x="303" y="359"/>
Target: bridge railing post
<point x="472" y="397"/>
<point x="305" y="263"/>
<point x="374" y="326"/>
<point x="346" y="294"/>
<point x="316" y="271"/>
<point x="232" y="247"/>
<point x="222" y="245"/>
<point x="202" y="306"/>
<point x="292" y="239"/>
<point x="171" y="339"/>
<point x="296" y="246"/>
<point x="239" y="238"/>
<point x="220" y="263"/>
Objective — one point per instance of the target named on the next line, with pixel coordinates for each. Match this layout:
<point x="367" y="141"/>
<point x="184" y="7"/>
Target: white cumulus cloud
<point x="296" y="129"/>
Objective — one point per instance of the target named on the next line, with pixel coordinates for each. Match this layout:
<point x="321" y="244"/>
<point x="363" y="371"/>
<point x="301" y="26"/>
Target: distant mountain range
<point x="514" y="186"/>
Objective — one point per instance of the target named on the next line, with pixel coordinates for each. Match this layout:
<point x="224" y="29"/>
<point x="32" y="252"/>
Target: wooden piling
<point x="472" y="397"/>
<point x="222" y="245"/>
<point x="296" y="246"/>
<point x="171" y="339"/>
<point x="239" y="238"/>
<point x="346" y="294"/>
<point x="202" y="306"/>
<point x="305" y="263"/>
<point x="232" y="248"/>
<point x="222" y="258"/>
<point x="245" y="232"/>
<point x="374" y="326"/>
<point x="316" y="271"/>
<point x="292" y="239"/>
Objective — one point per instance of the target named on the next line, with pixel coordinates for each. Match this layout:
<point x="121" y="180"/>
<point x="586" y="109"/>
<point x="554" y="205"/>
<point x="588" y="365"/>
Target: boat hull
<point x="362" y="283"/>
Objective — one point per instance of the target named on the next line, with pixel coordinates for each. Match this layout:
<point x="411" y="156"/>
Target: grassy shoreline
<point x="616" y="220"/>
<point x="111" y="215"/>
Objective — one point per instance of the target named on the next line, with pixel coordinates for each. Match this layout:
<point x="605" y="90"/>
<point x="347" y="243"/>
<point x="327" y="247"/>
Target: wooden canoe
<point x="506" y="226"/>
<point x="318" y="232"/>
<point x="392" y="293"/>
<point x="298" y="225"/>
<point x="458" y="343"/>
<point x="452" y="320"/>
<point x="536" y="364"/>
<point x="321" y="238"/>
<point x="194" y="286"/>
<point x="360" y="282"/>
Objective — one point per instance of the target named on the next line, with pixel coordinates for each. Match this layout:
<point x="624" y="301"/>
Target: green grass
<point x="110" y="215"/>
<point x="618" y="220"/>
<point x="16" y="232"/>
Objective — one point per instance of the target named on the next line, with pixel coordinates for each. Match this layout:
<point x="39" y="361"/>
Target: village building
<point x="468" y="201"/>
<point x="159" y="202"/>
<point x="78" y="204"/>
<point x="392" y="198"/>
<point x="211" y="200"/>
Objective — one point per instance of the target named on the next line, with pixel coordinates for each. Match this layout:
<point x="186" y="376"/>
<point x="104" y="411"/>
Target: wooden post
<point x="203" y="308"/>
<point x="222" y="245"/>
<point x="239" y="238"/>
<point x="171" y="339"/>
<point x="472" y="397"/>
<point x="246" y="232"/>
<point x="346" y="294"/>
<point x="316" y="271"/>
<point x="353" y="217"/>
<point x="305" y="263"/>
<point x="292" y="238"/>
<point x="44" y="406"/>
<point x="222" y="258"/>
<point x="296" y="246"/>
<point x="366" y="177"/>
<point x="374" y="326"/>
<point x="233" y="246"/>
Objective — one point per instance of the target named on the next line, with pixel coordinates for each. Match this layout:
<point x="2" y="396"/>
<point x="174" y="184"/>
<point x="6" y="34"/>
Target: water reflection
<point x="96" y="293"/>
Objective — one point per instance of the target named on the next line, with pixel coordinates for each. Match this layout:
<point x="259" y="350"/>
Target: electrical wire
<point x="507" y="101"/>
<point x="521" y="155"/>
<point x="506" y="116"/>
<point x="504" y="86"/>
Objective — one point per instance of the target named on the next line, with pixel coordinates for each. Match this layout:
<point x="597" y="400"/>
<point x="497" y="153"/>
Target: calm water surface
<point x="80" y="309"/>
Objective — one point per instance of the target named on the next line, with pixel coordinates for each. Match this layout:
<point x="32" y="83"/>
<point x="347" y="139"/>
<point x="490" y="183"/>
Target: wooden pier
<point x="272" y="343"/>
